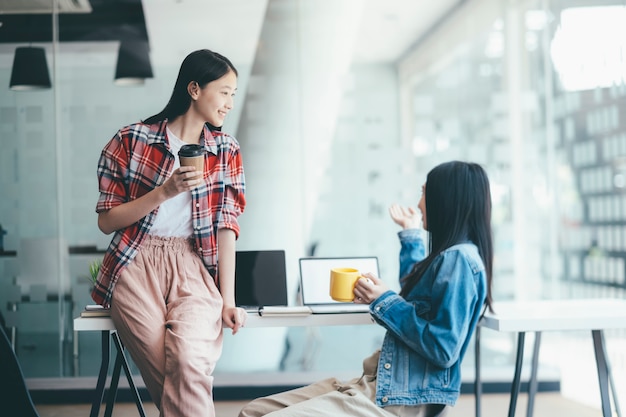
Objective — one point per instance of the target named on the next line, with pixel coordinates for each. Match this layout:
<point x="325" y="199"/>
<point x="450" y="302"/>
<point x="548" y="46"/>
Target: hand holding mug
<point x="342" y="281"/>
<point x="368" y="288"/>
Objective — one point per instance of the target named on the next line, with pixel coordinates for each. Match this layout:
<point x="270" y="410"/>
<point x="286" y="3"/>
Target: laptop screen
<point x="260" y="278"/>
<point x="315" y="276"/>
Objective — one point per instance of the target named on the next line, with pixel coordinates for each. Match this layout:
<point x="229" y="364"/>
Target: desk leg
<point x="75" y="355"/>
<point x="129" y="376"/>
<point x="532" y="384"/>
<point x="614" y="391"/>
<point x="604" y="374"/>
<point x="102" y="376"/>
<point x="518" y="373"/>
<point x="613" y="387"/>
<point x="115" y="378"/>
<point x="478" y="386"/>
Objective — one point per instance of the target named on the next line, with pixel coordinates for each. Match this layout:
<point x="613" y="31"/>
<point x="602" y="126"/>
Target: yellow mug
<point x="342" y="281"/>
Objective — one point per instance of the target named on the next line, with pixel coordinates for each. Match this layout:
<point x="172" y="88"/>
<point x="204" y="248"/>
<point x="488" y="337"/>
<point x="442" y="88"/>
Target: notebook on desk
<point x="315" y="282"/>
<point x="260" y="279"/>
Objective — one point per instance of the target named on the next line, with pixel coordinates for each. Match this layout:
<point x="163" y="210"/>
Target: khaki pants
<point x="168" y="313"/>
<point x="333" y="398"/>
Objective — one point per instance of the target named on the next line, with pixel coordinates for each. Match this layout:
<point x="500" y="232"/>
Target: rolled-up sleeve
<point x="112" y="168"/>
<point x="234" y="194"/>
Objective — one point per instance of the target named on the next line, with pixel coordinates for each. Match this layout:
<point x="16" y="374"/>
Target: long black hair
<point x="458" y="208"/>
<point x="201" y="66"/>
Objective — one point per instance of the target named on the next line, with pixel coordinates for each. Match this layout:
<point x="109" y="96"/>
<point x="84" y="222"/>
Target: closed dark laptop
<point x="260" y="279"/>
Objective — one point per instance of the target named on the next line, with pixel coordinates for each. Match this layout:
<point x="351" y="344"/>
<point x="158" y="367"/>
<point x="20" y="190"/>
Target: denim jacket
<point x="428" y="332"/>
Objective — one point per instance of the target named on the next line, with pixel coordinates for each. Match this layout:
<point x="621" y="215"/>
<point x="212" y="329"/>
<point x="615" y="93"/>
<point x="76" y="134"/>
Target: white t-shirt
<point x="174" y="216"/>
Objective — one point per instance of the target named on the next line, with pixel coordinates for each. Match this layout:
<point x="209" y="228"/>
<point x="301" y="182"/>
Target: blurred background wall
<point x="343" y="106"/>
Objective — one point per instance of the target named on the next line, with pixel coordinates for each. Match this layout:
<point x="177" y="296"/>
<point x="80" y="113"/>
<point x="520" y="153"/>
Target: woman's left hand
<point x="234" y="317"/>
<point x="368" y="289"/>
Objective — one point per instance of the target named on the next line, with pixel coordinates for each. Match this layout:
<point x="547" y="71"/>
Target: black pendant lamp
<point x="30" y="70"/>
<point x="133" y="63"/>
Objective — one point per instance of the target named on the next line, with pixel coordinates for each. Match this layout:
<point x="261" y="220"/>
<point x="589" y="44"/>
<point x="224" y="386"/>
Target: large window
<point x="535" y="91"/>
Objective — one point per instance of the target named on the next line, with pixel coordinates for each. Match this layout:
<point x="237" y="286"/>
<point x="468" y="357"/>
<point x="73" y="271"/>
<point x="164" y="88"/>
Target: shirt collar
<point x="157" y="134"/>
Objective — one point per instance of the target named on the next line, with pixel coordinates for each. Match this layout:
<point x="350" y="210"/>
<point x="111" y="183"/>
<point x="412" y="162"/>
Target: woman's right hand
<point x="368" y="288"/>
<point x="405" y="217"/>
<point x="182" y="180"/>
<point x="130" y="212"/>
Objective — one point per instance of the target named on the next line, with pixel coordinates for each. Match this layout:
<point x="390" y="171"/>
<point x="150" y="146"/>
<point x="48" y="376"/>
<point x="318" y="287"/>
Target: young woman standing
<point x="168" y="274"/>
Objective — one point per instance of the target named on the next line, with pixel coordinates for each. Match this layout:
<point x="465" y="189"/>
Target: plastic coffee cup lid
<point x="191" y="150"/>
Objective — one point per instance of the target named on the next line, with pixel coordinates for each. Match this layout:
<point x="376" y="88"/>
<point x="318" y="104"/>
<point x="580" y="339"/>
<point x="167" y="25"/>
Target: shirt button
<point x="378" y="308"/>
<point x="197" y="204"/>
<point x="385" y="399"/>
<point x="387" y="365"/>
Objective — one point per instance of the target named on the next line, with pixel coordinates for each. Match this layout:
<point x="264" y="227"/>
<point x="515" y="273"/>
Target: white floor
<point x="493" y="405"/>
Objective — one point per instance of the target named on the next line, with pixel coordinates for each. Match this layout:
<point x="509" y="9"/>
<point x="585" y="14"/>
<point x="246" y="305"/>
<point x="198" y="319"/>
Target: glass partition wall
<point x="34" y="290"/>
<point x="534" y="91"/>
<point x="300" y="131"/>
<point x="328" y="145"/>
<point x="33" y="293"/>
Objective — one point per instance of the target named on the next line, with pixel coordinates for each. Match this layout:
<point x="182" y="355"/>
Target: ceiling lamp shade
<point x="133" y="63"/>
<point x="30" y="70"/>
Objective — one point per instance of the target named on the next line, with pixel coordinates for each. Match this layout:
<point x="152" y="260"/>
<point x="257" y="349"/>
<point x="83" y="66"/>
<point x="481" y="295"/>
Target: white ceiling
<point x="176" y="27"/>
<point x="387" y="27"/>
<point x="390" y="27"/>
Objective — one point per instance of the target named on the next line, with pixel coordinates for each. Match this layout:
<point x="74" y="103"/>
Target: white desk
<point x="107" y="328"/>
<point x="254" y="320"/>
<point x="519" y="317"/>
<point x="594" y="315"/>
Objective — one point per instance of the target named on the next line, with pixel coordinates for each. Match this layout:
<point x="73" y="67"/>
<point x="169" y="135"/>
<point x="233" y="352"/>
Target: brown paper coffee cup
<point x="192" y="155"/>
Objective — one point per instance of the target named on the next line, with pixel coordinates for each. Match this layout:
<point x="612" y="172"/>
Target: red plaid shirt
<point x="137" y="160"/>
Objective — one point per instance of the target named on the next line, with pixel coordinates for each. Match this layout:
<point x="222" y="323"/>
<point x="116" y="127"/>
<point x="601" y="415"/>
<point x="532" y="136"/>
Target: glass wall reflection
<point x="328" y="145"/>
<point x="534" y="92"/>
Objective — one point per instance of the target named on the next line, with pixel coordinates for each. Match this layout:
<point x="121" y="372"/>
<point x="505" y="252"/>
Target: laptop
<point x="315" y="282"/>
<point x="260" y="279"/>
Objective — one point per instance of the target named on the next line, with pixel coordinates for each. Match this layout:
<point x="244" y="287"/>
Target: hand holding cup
<point x="193" y="155"/>
<point x="342" y="281"/>
<point x="369" y="288"/>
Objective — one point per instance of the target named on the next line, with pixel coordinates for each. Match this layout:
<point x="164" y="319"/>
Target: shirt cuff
<point x="410" y="234"/>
